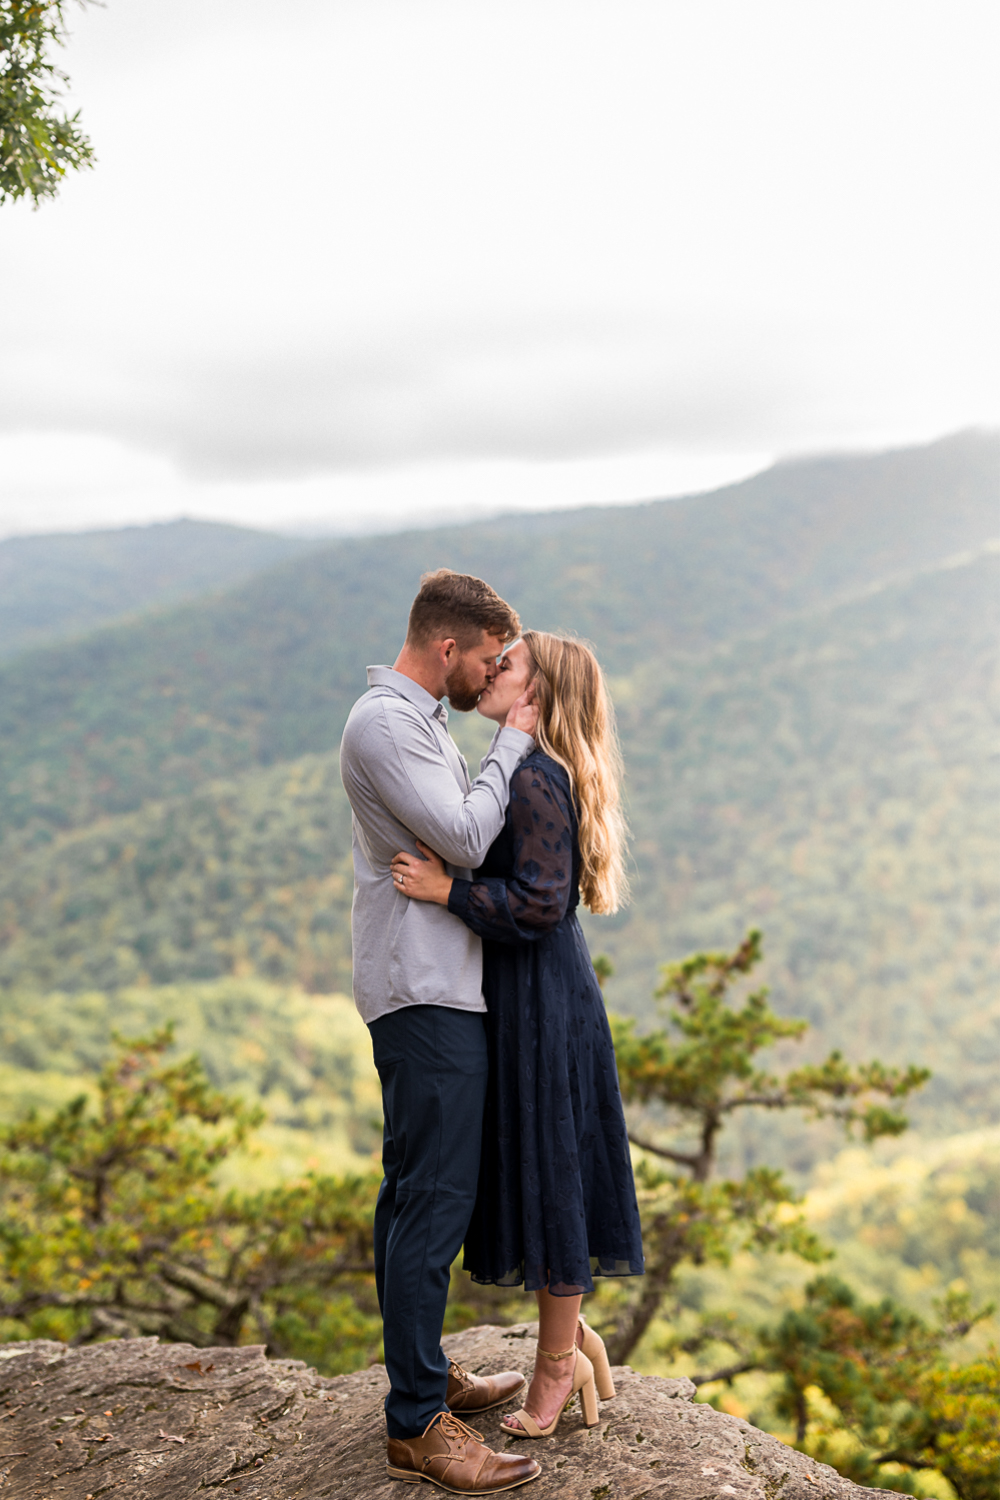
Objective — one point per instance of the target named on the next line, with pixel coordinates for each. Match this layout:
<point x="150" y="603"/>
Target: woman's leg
<point x="558" y="1323"/>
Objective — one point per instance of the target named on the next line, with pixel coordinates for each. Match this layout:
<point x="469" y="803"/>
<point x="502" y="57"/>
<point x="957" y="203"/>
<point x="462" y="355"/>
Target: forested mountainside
<point x="305" y="1057"/>
<point x="245" y="876"/>
<point x="67" y="583"/>
<point x="830" y="778"/>
<point x="267" y="671"/>
<point x="835" y="782"/>
<point x="805" y="671"/>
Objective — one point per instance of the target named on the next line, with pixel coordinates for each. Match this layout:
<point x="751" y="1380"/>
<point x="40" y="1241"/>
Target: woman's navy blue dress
<point x="556" y="1204"/>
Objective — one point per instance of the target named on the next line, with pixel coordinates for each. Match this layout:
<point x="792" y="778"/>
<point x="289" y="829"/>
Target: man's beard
<point x="462" y="696"/>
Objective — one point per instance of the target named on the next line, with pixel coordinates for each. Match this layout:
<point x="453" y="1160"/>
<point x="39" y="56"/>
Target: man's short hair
<point x="460" y="606"/>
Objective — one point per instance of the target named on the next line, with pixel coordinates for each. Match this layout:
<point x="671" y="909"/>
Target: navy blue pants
<point x="433" y="1066"/>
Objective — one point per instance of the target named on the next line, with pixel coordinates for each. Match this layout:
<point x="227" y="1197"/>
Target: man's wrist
<point x="524" y="743"/>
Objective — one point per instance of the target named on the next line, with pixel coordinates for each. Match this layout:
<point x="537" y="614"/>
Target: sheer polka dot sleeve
<point x="535" y="898"/>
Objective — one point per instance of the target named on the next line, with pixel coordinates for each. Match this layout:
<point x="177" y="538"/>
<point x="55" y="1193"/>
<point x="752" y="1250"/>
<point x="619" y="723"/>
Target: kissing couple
<point x="503" y="1121"/>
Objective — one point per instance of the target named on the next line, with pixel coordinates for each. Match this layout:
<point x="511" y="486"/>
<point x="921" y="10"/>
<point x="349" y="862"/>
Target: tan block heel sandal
<point x="593" y="1348"/>
<point x="583" y="1385"/>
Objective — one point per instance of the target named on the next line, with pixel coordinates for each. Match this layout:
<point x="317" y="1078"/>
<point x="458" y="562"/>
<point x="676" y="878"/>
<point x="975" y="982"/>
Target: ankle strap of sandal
<point x="563" y="1354"/>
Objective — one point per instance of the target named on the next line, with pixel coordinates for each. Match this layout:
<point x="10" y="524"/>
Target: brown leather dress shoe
<point x="473" y="1393"/>
<point x="451" y="1455"/>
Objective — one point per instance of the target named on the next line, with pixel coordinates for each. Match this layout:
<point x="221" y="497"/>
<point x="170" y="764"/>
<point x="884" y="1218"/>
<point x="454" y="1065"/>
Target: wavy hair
<point x="576" y="726"/>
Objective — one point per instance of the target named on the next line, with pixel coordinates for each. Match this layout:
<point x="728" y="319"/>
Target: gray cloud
<point x="531" y="394"/>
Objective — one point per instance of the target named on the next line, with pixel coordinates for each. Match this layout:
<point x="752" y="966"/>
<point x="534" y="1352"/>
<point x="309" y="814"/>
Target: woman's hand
<point x="422" y="879"/>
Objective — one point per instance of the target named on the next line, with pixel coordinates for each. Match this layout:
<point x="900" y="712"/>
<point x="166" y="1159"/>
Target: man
<point x="418" y="986"/>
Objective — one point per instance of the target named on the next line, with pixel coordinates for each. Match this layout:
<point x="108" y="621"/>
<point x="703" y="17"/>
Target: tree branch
<point x="206" y="1288"/>
<point x="684" y="1159"/>
<point x="728" y="1373"/>
<point x="899" y="1457"/>
<point x="762" y="1101"/>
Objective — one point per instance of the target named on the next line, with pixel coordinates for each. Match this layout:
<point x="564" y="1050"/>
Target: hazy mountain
<point x="65" y="584"/>
<point x="251" y="875"/>
<point x="835" y="781"/>
<point x="828" y="773"/>
<point x="267" y="672"/>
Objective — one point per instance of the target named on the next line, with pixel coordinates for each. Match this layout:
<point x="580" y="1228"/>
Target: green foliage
<point x="54" y="586"/>
<point x="270" y="671"/>
<point x="918" y="1222"/>
<point x="806" y="722"/>
<point x="870" y="1388"/>
<point x="603" y="968"/>
<point x="305" y="1058"/>
<point x="827" y="777"/>
<point x="114" y="1218"/>
<point x="957" y="1430"/>
<point x="711" y="1072"/>
<point x="886" y="1387"/>
<point x="719" y="1043"/>
<point x="832" y="782"/>
<point x="38" y="144"/>
<point x="246" y="877"/>
<point x="699" y="1072"/>
<point x="874" y="859"/>
<point x="111" y="1223"/>
<point x="909" y="1221"/>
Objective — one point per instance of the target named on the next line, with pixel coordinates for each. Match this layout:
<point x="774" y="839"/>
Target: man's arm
<point x="406" y="768"/>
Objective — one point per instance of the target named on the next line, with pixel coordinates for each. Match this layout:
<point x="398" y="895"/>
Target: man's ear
<point x="447" y="649"/>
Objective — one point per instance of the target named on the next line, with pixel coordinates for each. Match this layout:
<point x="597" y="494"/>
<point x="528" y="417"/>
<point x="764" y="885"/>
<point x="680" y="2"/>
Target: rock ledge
<point x="149" y="1421"/>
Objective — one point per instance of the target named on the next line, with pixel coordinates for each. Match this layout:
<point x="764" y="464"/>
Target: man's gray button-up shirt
<point x="406" y="780"/>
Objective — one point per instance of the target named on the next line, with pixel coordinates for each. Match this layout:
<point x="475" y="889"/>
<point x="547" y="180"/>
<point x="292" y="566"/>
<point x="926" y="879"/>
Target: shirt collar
<point x="408" y="689"/>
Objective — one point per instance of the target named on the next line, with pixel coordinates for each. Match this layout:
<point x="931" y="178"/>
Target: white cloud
<point x="419" y="236"/>
<point x="67" y="482"/>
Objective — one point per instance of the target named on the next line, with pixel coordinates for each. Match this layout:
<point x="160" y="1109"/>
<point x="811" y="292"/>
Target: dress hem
<point x="515" y="1278"/>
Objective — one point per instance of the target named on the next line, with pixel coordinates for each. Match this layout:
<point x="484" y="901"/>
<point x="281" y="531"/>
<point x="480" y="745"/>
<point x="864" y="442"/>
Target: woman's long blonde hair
<point x="576" y="726"/>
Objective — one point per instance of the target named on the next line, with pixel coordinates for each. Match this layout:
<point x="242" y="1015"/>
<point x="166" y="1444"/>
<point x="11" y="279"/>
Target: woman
<point x="556" y="1202"/>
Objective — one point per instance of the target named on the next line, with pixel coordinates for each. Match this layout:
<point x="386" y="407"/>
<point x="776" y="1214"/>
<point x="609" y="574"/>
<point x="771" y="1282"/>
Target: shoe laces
<point x="462" y="1376"/>
<point x="452" y="1427"/>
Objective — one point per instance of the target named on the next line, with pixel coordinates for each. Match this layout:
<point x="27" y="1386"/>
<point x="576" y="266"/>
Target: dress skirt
<point x="556" y="1203"/>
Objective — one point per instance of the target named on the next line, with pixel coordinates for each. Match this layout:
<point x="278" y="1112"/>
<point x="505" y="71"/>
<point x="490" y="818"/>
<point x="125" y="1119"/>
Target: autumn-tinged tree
<point x="700" y="1071"/>
<point x="111" y="1225"/>
<point x="867" y="1385"/>
<point x="39" y="143"/>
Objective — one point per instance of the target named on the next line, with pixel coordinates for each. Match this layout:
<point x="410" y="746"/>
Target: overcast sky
<point x="349" y="260"/>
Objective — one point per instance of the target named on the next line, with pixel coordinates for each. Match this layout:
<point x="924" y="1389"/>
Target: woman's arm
<point x="533" y="900"/>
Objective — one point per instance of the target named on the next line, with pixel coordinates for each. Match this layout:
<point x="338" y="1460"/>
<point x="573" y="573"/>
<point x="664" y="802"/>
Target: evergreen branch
<point x="728" y="1373"/>
<point x="683" y="1158"/>
<point x="902" y="1456"/>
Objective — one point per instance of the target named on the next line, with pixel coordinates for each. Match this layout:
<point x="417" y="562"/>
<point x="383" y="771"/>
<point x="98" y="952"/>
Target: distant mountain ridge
<point x="804" y="668"/>
<point x="64" y="584"/>
<point x="830" y="779"/>
<point x="268" y="671"/>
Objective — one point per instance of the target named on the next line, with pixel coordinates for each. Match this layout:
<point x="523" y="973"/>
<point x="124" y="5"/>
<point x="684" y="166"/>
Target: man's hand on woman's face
<point x="423" y="879"/>
<point x="523" y="712"/>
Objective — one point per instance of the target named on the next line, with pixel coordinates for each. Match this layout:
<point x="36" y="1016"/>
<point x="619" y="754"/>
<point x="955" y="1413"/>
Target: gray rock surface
<point x="141" y="1420"/>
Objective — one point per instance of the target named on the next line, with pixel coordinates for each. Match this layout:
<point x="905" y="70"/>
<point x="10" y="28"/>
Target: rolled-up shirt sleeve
<point x="524" y="906"/>
<point x="406" y="769"/>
